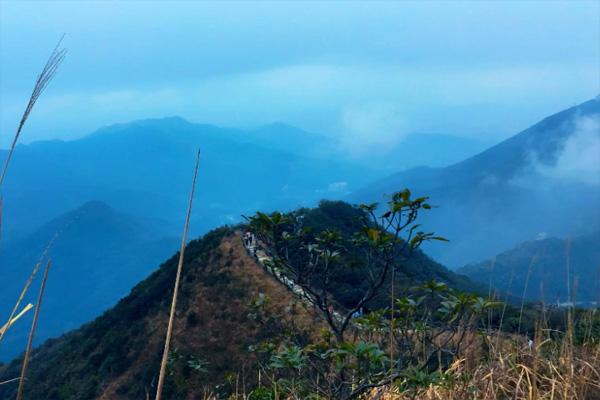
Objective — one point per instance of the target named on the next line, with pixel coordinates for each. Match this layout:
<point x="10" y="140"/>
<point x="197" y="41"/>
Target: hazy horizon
<point x="367" y="75"/>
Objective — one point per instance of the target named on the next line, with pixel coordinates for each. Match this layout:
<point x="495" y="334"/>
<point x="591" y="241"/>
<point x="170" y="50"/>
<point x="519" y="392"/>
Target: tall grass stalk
<point x="490" y="287"/>
<point x="36" y="268"/>
<point x="506" y="300"/>
<point x="533" y="259"/>
<point x="568" y="267"/>
<point x="56" y="58"/>
<point x="393" y="298"/>
<point x="32" y="333"/>
<point x="163" y="364"/>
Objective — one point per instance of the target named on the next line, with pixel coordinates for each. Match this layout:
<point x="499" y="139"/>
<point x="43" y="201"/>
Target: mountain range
<point x="116" y="199"/>
<point x="144" y="168"/>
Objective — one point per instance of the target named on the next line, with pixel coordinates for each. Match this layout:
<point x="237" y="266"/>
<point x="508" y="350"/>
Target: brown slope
<point x="117" y="355"/>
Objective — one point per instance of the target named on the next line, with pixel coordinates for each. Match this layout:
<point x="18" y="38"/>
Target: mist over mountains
<point x="543" y="179"/>
<point x="144" y="168"/>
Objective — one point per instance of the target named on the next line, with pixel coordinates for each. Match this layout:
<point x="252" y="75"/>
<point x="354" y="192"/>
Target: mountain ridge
<point x="97" y="254"/>
<point x="117" y="355"/>
<point x="539" y="269"/>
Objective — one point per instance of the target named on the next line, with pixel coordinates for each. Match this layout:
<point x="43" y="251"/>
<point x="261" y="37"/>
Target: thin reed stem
<point x="533" y="259"/>
<point x="568" y="267"/>
<point x="393" y="295"/>
<point x="163" y="364"/>
<point x="490" y="287"/>
<point x="32" y="333"/>
<point x="507" y="298"/>
<point x="36" y="268"/>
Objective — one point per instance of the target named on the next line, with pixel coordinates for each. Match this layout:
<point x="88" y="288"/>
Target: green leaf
<point x="405" y="194"/>
<point x="373" y="234"/>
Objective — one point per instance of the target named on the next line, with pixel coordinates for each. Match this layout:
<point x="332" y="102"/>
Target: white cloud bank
<point x="579" y="160"/>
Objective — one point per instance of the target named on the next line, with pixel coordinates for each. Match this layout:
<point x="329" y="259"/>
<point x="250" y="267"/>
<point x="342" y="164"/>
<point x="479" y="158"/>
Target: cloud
<point x="337" y="187"/>
<point x="371" y="127"/>
<point x="579" y="158"/>
<point x="334" y="188"/>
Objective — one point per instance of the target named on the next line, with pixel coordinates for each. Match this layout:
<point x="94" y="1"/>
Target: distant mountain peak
<point x="169" y="121"/>
<point x="95" y="205"/>
<point x="282" y="127"/>
<point x="278" y="125"/>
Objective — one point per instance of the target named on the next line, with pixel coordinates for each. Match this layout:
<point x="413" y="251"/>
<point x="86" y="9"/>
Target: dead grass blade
<point x="32" y="333"/>
<point x="163" y="364"/>
<point x="36" y="268"/>
<point x="9" y="381"/>
<point x="15" y="318"/>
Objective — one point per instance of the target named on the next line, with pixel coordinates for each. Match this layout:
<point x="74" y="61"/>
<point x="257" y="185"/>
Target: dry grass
<point x="553" y="369"/>
<point x="219" y="317"/>
<point x="518" y="374"/>
<point x="163" y="364"/>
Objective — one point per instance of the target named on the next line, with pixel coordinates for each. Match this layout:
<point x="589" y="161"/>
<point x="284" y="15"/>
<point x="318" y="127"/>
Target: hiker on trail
<point x="357" y="313"/>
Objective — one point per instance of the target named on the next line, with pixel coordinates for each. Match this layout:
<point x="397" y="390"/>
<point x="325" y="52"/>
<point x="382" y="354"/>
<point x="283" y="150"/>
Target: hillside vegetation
<point x="539" y="270"/>
<point x="414" y="266"/>
<point x="117" y="355"/>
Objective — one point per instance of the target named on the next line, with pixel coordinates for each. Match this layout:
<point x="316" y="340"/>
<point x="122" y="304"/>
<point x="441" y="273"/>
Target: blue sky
<point x="369" y="72"/>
